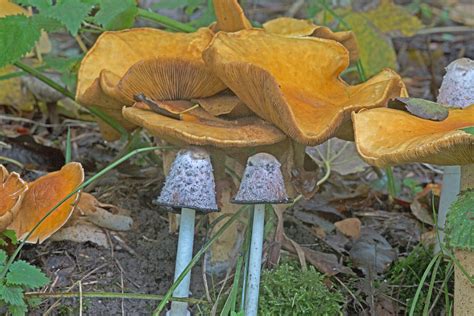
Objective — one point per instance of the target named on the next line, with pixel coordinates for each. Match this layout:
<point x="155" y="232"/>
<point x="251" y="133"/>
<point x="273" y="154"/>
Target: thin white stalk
<point x="183" y="258"/>
<point x="450" y="190"/>
<point x="255" y="261"/>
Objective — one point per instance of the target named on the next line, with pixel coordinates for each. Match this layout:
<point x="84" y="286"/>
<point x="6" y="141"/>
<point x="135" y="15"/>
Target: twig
<point x="133" y="296"/>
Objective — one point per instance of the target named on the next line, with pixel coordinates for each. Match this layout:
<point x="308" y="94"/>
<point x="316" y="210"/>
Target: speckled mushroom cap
<point x="457" y="88"/>
<point x="262" y="182"/>
<point x="190" y="182"/>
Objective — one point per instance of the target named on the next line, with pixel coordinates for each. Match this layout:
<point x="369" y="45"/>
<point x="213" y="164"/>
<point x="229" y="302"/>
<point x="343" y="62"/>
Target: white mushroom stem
<point x="183" y="258"/>
<point x="255" y="261"/>
<point x="450" y="189"/>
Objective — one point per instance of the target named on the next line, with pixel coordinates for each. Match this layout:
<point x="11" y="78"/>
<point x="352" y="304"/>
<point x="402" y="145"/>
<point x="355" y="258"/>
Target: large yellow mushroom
<point x="282" y="86"/>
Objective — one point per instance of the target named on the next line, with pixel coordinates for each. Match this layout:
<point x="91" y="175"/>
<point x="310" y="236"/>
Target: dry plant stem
<point x="134" y="296"/>
<point x="463" y="288"/>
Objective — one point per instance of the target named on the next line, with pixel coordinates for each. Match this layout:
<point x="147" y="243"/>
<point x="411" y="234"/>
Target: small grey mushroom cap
<point x="457" y="88"/>
<point x="262" y="182"/>
<point x="190" y="182"/>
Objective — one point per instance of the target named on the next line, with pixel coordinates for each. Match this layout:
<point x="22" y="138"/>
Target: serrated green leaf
<point x="460" y="222"/>
<point x="18" y="310"/>
<point x="469" y="130"/>
<point x="23" y="273"/>
<point x="12" y="295"/>
<point x="46" y="23"/>
<point x="70" y="13"/>
<point x="18" y="36"/>
<point x="116" y="15"/>
<point x="10" y="234"/>
<point x="40" y="4"/>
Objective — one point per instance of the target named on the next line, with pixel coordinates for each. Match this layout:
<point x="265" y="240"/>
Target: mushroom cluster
<point x="233" y="90"/>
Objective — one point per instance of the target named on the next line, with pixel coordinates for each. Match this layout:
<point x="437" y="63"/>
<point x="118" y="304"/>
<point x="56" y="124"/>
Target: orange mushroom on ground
<point x="12" y="191"/>
<point x="43" y="194"/>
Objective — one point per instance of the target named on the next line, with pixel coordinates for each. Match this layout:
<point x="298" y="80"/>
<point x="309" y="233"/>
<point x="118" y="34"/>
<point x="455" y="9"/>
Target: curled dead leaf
<point x="101" y="214"/>
<point x="349" y="227"/>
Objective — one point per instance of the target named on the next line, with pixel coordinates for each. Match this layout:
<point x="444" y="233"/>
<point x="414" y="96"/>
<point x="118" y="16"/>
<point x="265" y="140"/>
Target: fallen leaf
<point x="425" y="109"/>
<point x="341" y="155"/>
<point x="82" y="232"/>
<point x="103" y="215"/>
<point x="12" y="94"/>
<point x="325" y="262"/>
<point x="349" y="227"/>
<point x="373" y="30"/>
<point x="393" y="19"/>
<point x="462" y="13"/>
<point x="421" y="212"/>
<point x="372" y="253"/>
<point x="32" y="155"/>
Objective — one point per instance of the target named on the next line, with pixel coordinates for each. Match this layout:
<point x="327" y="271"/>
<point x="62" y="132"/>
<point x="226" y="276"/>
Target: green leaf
<point x="12" y="295"/>
<point x="18" y="310"/>
<point x="460" y="222"/>
<point x="70" y="13"/>
<point x="18" y="36"/>
<point x="424" y="109"/>
<point x="40" y="4"/>
<point x="469" y="130"/>
<point x="46" y="23"/>
<point x="116" y="15"/>
<point x="23" y="273"/>
<point x="10" y="234"/>
<point x="375" y="48"/>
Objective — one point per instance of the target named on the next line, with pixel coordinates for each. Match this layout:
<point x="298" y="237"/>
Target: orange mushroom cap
<point x="12" y="190"/>
<point x="388" y="137"/>
<point x="162" y="64"/>
<point x="42" y="195"/>
<point x="297" y="27"/>
<point x="198" y="127"/>
<point x="294" y="82"/>
<point x="230" y="16"/>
